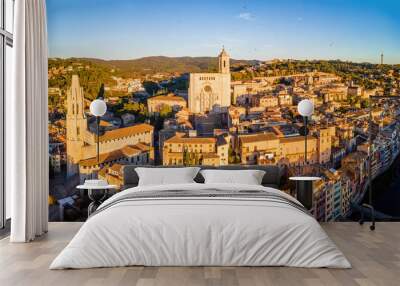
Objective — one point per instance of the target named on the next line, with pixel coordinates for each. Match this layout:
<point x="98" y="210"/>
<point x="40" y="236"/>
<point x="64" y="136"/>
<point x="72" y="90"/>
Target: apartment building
<point x="289" y="150"/>
<point x="184" y="150"/>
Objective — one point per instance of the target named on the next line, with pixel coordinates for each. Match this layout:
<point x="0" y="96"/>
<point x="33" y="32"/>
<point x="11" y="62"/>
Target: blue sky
<point x="127" y="29"/>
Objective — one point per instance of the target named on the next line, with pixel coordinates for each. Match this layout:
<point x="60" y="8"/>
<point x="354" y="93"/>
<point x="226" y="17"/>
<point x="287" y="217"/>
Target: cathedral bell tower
<point x="223" y="62"/>
<point x="76" y="125"/>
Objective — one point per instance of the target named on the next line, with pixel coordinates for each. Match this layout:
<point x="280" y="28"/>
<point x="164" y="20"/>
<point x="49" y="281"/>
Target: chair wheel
<point x="372" y="227"/>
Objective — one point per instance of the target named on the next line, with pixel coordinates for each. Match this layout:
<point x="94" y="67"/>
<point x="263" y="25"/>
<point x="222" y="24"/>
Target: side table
<point x="304" y="190"/>
<point x="96" y="200"/>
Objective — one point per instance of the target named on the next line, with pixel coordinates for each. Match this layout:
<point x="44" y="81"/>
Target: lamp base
<point x="304" y="190"/>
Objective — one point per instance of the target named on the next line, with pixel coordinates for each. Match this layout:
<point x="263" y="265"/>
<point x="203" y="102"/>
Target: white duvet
<point x="202" y="232"/>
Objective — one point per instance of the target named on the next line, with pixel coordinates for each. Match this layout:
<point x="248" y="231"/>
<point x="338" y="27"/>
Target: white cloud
<point x="246" y="16"/>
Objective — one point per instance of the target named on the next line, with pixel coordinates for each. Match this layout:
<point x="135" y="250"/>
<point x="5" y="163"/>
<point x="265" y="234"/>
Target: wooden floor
<point x="375" y="257"/>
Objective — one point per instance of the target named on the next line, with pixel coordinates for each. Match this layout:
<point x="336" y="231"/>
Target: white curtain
<point x="27" y="117"/>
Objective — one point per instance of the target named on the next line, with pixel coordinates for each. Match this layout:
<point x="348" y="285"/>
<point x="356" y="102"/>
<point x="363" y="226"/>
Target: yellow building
<point x="251" y="145"/>
<point x="156" y="103"/>
<point x="269" y="101"/>
<point x="183" y="150"/>
<point x="290" y="150"/>
<point x="325" y="136"/>
<point x="285" y="99"/>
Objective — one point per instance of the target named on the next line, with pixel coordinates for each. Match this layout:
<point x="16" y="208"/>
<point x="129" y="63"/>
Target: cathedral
<point x="209" y="90"/>
<point x="116" y="145"/>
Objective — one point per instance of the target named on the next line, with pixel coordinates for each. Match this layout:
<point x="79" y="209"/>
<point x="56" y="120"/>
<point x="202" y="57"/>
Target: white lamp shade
<point x="98" y="107"/>
<point x="305" y="108"/>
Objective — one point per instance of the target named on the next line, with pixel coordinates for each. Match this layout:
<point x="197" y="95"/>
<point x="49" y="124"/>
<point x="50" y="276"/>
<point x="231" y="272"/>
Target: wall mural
<point x="222" y="105"/>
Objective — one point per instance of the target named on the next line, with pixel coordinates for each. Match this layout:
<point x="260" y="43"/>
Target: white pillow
<point x="248" y="177"/>
<point x="166" y="176"/>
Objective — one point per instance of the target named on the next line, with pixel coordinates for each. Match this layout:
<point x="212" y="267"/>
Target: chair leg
<point x="372" y="226"/>
<point x="361" y="221"/>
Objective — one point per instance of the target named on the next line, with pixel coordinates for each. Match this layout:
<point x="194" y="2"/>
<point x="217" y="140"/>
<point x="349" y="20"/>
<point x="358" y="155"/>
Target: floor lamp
<point x="304" y="184"/>
<point x="98" y="108"/>
<point x="306" y="109"/>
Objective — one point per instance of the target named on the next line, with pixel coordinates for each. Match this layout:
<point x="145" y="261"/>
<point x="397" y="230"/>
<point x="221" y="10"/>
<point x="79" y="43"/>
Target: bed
<point x="201" y="224"/>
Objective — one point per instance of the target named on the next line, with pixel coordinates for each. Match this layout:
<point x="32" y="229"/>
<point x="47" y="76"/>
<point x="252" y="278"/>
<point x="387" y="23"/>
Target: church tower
<point x="223" y="62"/>
<point x="76" y="125"/>
<point x="211" y="91"/>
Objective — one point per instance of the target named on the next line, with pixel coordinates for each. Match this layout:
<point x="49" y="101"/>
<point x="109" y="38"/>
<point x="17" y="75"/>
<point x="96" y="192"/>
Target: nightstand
<point x="96" y="194"/>
<point x="304" y="190"/>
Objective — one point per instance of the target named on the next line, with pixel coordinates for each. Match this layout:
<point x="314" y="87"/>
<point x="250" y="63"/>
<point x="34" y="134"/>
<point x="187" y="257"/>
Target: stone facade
<point x="288" y="150"/>
<point x="76" y="126"/>
<point x="183" y="150"/>
<point x="210" y="90"/>
<point x="81" y="142"/>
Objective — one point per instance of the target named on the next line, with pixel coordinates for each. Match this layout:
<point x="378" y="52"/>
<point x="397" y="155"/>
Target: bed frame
<point x="272" y="178"/>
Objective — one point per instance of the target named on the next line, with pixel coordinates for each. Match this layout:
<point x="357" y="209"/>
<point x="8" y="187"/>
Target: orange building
<point x="290" y="150"/>
<point x="251" y="145"/>
<point x="183" y="150"/>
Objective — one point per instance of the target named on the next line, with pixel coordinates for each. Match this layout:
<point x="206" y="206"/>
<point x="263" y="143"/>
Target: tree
<point x="101" y="93"/>
<point x="151" y="87"/>
<point x="186" y="157"/>
<point x="165" y="111"/>
<point x="365" y="103"/>
<point x="196" y="159"/>
<point x="233" y="158"/>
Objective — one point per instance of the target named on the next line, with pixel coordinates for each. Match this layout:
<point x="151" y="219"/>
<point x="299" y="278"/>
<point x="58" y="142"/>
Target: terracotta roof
<point x="117" y="167"/>
<point x="130" y="151"/>
<point x="126" y="132"/>
<point x="103" y="158"/>
<point x="257" y="137"/>
<point x="192" y="140"/>
<point x="142" y="146"/>
<point x="125" y="152"/>
<point x="104" y="123"/>
<point x="295" y="139"/>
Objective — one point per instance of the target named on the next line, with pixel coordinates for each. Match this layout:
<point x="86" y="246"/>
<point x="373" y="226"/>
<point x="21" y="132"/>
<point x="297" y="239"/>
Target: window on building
<point x="6" y="62"/>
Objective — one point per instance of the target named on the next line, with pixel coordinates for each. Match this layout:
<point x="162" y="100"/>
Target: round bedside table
<point x="304" y="189"/>
<point x="96" y="201"/>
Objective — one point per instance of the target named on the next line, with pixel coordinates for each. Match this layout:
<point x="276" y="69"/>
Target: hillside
<point x="161" y="64"/>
